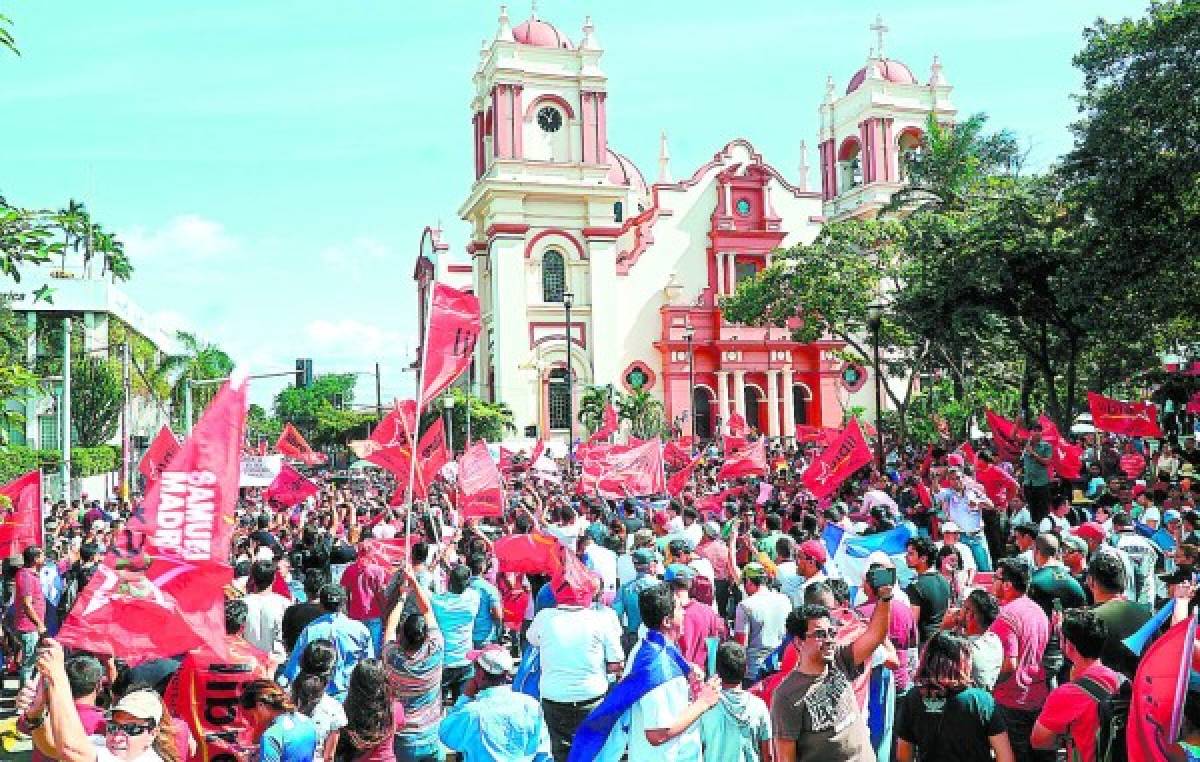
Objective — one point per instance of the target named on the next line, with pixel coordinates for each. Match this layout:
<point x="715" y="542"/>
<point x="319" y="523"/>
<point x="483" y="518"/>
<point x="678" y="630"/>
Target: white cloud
<point x="188" y="235"/>
<point x="355" y="250"/>
<point x="347" y="336"/>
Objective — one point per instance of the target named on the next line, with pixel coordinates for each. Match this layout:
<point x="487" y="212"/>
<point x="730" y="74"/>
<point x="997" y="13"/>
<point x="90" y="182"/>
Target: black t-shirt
<point x="1123" y="619"/>
<point x="955" y="729"/>
<point x="295" y="618"/>
<point x="931" y="592"/>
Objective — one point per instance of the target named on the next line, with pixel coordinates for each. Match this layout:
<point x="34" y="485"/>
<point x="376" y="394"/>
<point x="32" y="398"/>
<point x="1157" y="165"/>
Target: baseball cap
<point x="145" y="705"/>
<point x="679" y="571"/>
<point x="712" y="529"/>
<point x="1072" y="542"/>
<point x="643" y="557"/>
<point x="755" y="571"/>
<point x="678" y="546"/>
<point x="1172" y="515"/>
<point x="1090" y="530"/>
<point x="493" y="659"/>
<point x="332" y="595"/>
<point x="814" y="550"/>
<point x="1121" y="520"/>
<point x="950" y="526"/>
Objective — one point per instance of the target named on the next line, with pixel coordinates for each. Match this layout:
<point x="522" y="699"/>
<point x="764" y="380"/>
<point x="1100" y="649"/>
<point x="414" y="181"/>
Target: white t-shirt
<point x="605" y="563"/>
<point x="568" y="535"/>
<point x="1054" y="523"/>
<point x="987" y="654"/>
<point x="693" y="534"/>
<point x="576" y="645"/>
<point x="329" y="716"/>
<point x="264" y="620"/>
<point x="704" y="568"/>
<point x="659" y="709"/>
<point x="383" y="531"/>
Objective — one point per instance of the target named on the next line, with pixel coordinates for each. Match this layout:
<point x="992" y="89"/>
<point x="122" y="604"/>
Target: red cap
<point x="1139" y="489"/>
<point x="814" y="550"/>
<point x="954" y="459"/>
<point x="1090" y="530"/>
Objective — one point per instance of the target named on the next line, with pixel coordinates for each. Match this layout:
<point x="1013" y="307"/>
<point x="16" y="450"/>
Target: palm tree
<point x="199" y="360"/>
<point x="112" y="254"/>
<point x="74" y="224"/>
<point x="6" y="38"/>
<point x="592" y="403"/>
<point x="644" y="412"/>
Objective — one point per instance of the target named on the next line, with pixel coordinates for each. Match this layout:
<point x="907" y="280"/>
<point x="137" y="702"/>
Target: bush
<point x="85" y="461"/>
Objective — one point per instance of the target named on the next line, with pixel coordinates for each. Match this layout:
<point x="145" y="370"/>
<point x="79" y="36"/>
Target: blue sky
<point x="271" y="163"/>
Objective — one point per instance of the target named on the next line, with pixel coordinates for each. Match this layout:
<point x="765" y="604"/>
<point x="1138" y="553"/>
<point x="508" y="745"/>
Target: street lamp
<point x="568" y="301"/>
<point x="448" y="404"/>
<point x="689" y="333"/>
<point x="874" y="321"/>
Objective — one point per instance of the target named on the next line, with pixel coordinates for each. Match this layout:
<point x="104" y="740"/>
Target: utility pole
<point x="64" y="410"/>
<point x="470" y="381"/>
<point x="126" y="414"/>
<point x="187" y="406"/>
<point x="378" y="394"/>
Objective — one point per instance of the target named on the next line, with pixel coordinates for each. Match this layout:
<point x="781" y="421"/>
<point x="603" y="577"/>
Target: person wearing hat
<point x="810" y="563"/>
<point x="1075" y="554"/>
<point x="760" y="620"/>
<point x="350" y="638"/>
<point x="490" y="721"/>
<point x="964" y="503"/>
<point x="626" y="603"/>
<point x="951" y="537"/>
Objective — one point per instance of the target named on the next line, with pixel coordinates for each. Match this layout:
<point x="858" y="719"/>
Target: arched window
<point x="800" y="399"/>
<point x="751" y="398"/>
<point x="559" y="400"/>
<point x="850" y="164"/>
<point x="618" y="212"/>
<point x="554" y="276"/>
<point x="908" y="147"/>
<point x="702" y="409"/>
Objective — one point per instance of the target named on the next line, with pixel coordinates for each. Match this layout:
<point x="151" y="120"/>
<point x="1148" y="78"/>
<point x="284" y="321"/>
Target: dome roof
<point x="622" y="171"/>
<point x="540" y="34"/>
<point x="892" y="71"/>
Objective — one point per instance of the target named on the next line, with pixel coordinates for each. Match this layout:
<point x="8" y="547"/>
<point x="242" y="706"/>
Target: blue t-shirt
<point x="290" y="738"/>
<point x="455" y="614"/>
<point x="484" y="629"/>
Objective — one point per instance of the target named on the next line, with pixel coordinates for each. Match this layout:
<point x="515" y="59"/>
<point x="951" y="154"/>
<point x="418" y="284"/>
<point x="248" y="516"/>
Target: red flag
<point x="737" y="424"/>
<point x="608" y="426"/>
<point x="1159" y="688"/>
<point x="1006" y="436"/>
<point x="479" y="483"/>
<point x="431" y="456"/>
<point x="539" y="448"/>
<point x="506" y="459"/>
<point x="749" y="460"/>
<point x="714" y="505"/>
<point x="389" y="444"/>
<point x="290" y="487"/>
<point x="675" y="456"/>
<point x="21" y="518"/>
<point x="968" y="453"/>
<point x="454" y="325"/>
<point x="1193" y="405"/>
<point x="528" y="553"/>
<point x="169" y="609"/>
<point x="159" y="454"/>
<point x="838" y="461"/>
<point x="1066" y="459"/>
<point x="733" y="444"/>
<point x="189" y="512"/>
<point x="292" y="444"/>
<point x="1134" y="419"/>
<point x="385" y="552"/>
<point x="620" y="470"/>
<point x="680" y="478"/>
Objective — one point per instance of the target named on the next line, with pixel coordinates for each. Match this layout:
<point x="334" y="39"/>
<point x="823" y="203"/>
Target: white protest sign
<point x="259" y="470"/>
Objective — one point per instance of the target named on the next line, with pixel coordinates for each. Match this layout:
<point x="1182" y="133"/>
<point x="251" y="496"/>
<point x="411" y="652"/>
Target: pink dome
<point x="892" y="71"/>
<point x="622" y="171"/>
<point x="540" y="34"/>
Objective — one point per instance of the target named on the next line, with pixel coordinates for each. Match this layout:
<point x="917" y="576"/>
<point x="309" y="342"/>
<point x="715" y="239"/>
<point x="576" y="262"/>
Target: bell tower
<point x="864" y="132"/>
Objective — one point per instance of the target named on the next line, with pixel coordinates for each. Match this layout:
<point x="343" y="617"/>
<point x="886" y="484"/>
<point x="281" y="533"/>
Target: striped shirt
<point x="416" y="681"/>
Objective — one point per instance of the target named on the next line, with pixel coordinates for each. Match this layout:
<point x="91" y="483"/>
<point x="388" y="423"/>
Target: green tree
<point x="6" y="39"/>
<point x="644" y="412"/>
<point x="25" y="237"/>
<point x="96" y="399"/>
<point x="262" y="425"/>
<point x="301" y="405"/>
<point x="199" y="360"/>
<point x="490" y="421"/>
<point x="592" y="403"/>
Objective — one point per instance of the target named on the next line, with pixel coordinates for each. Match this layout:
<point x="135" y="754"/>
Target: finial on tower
<point x="505" y="33"/>
<point x="936" y="78"/>
<point x="872" y="68"/>
<point x="803" y="184"/>
<point x="664" y="160"/>
<point x="589" y="35"/>
<point x="533" y="9"/>
<point x="830" y="89"/>
<point x="879" y="29"/>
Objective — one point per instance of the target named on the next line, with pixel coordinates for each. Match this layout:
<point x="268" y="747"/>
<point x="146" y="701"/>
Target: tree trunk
<point x="1027" y="379"/>
<point x="1072" y="381"/>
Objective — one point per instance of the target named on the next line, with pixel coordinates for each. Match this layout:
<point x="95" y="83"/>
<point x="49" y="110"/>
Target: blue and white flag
<point x="854" y="550"/>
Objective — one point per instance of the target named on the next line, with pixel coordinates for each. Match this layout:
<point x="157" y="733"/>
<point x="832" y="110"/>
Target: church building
<point x="562" y="223"/>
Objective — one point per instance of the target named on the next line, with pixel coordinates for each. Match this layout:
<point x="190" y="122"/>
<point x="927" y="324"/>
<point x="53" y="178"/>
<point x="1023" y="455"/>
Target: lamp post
<point x="568" y="301"/>
<point x="689" y="333"/>
<point x="874" y="321"/>
<point x="448" y="405"/>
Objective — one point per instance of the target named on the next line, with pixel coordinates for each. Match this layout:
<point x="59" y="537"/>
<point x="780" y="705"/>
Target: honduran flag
<point x="604" y="734"/>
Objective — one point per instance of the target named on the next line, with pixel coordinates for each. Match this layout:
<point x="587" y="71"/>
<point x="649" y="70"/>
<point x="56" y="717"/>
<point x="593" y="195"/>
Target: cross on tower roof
<point x="879" y="29"/>
<point x="533" y="8"/>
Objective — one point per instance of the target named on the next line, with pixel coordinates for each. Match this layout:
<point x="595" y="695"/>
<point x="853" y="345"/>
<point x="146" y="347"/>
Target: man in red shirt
<point x="1023" y="630"/>
<point x="1071" y="711"/>
<point x="29" y="617"/>
<point x="366" y="582"/>
<point x="700" y="621"/>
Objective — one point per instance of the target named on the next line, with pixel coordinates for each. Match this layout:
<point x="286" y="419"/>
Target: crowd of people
<point x="723" y="624"/>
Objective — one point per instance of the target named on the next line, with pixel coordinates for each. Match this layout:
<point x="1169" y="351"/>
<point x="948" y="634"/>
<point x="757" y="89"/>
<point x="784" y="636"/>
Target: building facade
<point x="563" y="223"/>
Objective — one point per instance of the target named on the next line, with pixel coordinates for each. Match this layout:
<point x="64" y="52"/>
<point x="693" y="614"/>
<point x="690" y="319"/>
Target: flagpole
<point x="412" y="444"/>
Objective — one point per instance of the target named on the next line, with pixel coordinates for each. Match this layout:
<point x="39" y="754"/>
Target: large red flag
<point x="838" y="461"/>
<point x="386" y="552"/>
<point x="290" y="487"/>
<point x="737" y="424"/>
<point x="166" y="610"/>
<point x="1006" y="436"/>
<point x="292" y="444"/>
<point x="21" y="518"/>
<point x="159" y="454"/>
<point x="675" y="456"/>
<point x="1134" y="419"/>
<point x="389" y="445"/>
<point x="528" y="553"/>
<point x="749" y="460"/>
<point x="431" y="456"/>
<point x="1067" y="458"/>
<point x="479" y="483"/>
<point x="454" y="326"/>
<point x="621" y="470"/>
<point x="1193" y="404"/>
<point x="189" y="512"/>
<point x="714" y="505"/>
<point x="1159" y="689"/>
<point x="680" y="478"/>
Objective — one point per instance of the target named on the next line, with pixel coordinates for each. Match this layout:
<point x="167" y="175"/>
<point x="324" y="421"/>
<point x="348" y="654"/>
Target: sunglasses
<point x="822" y="634"/>
<point x="128" y="728"/>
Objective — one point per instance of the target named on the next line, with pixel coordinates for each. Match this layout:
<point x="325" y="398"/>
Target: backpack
<point x="1112" y="710"/>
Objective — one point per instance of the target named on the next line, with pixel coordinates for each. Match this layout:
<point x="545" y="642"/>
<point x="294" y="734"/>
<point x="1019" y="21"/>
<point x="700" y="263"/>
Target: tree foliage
<point x="96" y="399"/>
<point x="200" y="360"/>
<point x="490" y="421"/>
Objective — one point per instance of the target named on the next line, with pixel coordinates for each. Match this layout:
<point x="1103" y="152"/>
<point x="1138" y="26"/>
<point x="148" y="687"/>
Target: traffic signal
<point x="304" y="374"/>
